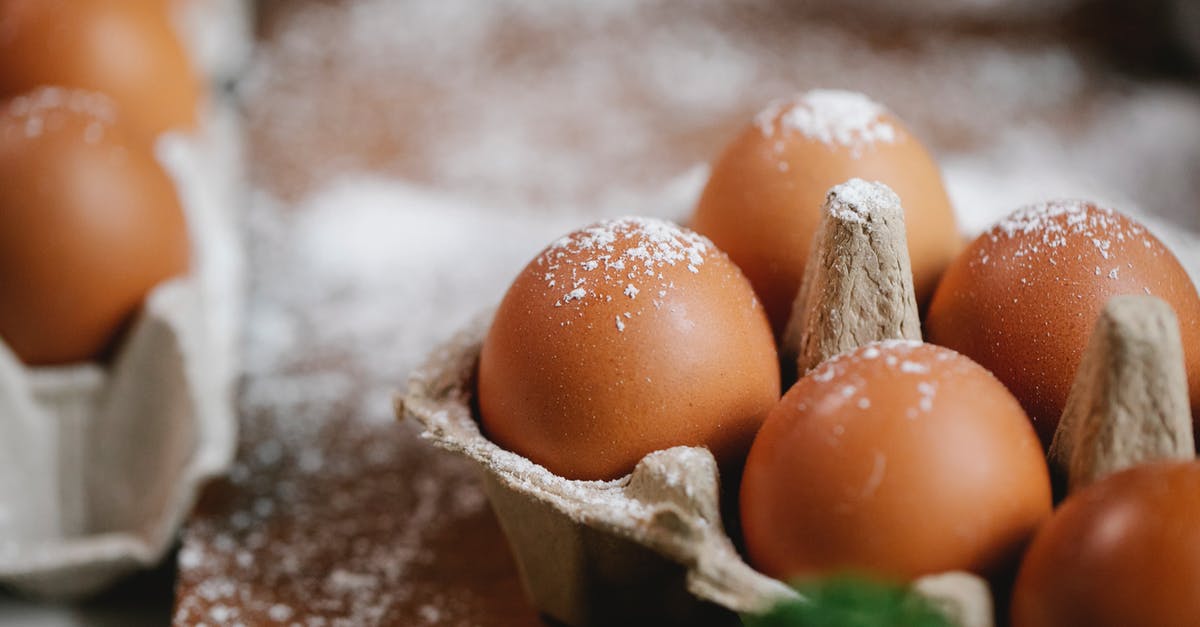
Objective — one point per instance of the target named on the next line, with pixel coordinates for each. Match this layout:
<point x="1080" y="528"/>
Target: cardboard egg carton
<point x="629" y="550"/>
<point x="1129" y="402"/>
<point x="100" y="464"/>
<point x="650" y="547"/>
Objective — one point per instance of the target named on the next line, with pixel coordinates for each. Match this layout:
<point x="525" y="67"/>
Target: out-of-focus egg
<point x="1023" y="297"/>
<point x="897" y="459"/>
<point x="1123" y="551"/>
<point x="623" y="338"/>
<point x="89" y="223"/>
<point x="125" y="48"/>
<point x="763" y="201"/>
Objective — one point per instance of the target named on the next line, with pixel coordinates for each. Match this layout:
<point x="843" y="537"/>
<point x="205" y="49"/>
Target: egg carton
<point x="100" y="464"/>
<point x="650" y="547"/>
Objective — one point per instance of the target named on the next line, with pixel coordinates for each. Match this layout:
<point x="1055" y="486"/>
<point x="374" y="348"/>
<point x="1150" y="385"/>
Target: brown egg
<point x="623" y="338"/>
<point x="763" y="200"/>
<point x="898" y="459"/>
<point x="125" y="48"/>
<point x="1123" y="551"/>
<point x="89" y="223"/>
<point x="1024" y="296"/>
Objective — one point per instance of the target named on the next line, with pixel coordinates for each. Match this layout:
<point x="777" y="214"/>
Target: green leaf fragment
<point x="852" y="602"/>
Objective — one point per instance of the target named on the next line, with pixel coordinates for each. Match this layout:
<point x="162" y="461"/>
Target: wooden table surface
<point x="336" y="515"/>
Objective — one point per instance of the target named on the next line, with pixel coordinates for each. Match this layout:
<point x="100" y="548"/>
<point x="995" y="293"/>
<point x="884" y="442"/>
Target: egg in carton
<point x="102" y="461"/>
<point x="1120" y="548"/>
<point x="651" y="545"/>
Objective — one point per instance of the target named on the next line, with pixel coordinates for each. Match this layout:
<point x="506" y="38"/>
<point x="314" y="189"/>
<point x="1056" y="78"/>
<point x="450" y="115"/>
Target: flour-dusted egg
<point x="763" y="201"/>
<point x="1022" y="299"/>
<point x="897" y="459"/>
<point x="89" y="224"/>
<point x="1123" y="551"/>
<point x="623" y="338"/>
<point x="125" y="48"/>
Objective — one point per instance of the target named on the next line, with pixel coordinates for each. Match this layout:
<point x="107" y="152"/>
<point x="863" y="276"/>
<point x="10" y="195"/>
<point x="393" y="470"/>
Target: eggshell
<point x="762" y="203"/>
<point x="125" y="48"/>
<point x="89" y="223"/>
<point x="1123" y="551"/>
<point x="623" y="338"/>
<point x="1023" y="298"/>
<point x="900" y="459"/>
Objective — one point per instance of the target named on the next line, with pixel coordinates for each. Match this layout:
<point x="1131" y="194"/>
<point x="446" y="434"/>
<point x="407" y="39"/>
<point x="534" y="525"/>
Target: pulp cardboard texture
<point x="1129" y="402"/>
<point x="100" y="464"/>
<point x="604" y="552"/>
<point x="858" y="283"/>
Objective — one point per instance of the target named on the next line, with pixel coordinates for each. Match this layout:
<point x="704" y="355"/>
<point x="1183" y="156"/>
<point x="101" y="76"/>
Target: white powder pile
<point x="378" y="271"/>
<point x="833" y="117"/>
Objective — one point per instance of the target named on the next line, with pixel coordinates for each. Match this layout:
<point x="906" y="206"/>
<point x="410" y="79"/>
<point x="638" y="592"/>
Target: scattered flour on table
<point x="352" y="266"/>
<point x="512" y="109"/>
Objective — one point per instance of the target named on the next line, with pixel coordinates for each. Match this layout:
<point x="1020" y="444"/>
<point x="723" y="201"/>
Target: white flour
<point x="412" y="158"/>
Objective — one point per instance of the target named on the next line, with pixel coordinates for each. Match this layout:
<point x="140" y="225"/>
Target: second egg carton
<point x="102" y="464"/>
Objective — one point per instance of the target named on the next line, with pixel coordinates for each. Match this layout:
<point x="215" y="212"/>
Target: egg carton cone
<point x="100" y="464"/>
<point x="1128" y="404"/>
<point x="650" y="547"/>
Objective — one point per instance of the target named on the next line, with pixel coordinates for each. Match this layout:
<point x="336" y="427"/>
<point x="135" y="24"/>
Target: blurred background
<point x="405" y="159"/>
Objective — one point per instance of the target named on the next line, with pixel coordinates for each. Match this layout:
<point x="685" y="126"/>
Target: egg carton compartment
<point x="592" y="552"/>
<point x="599" y="552"/>
<point x="102" y="463"/>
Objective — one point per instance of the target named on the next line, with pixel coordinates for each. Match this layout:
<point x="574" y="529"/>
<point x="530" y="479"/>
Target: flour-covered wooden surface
<point x="409" y="158"/>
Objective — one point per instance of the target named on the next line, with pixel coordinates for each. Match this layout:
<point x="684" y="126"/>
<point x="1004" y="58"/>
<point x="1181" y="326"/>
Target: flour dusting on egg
<point x="622" y="257"/>
<point x="857" y="200"/>
<point x="833" y="117"/>
<point x="1066" y="232"/>
<point x="35" y="111"/>
<point x="903" y="360"/>
<point x="1051" y="226"/>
